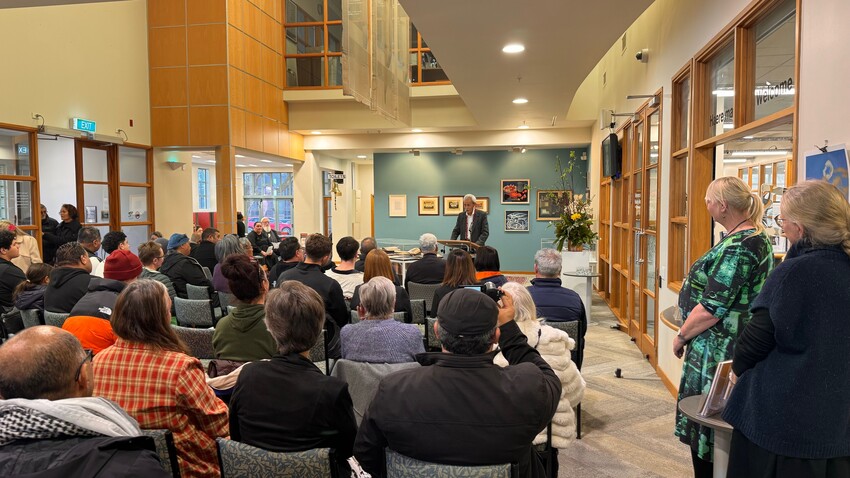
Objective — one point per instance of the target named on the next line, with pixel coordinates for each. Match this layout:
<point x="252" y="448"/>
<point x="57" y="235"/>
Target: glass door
<point x="95" y="165"/>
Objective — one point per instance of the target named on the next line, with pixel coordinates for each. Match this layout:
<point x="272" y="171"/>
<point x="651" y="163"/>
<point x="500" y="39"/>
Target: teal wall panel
<point x="478" y="173"/>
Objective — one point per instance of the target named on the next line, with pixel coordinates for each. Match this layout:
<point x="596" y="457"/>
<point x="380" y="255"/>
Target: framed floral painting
<point x="515" y="191"/>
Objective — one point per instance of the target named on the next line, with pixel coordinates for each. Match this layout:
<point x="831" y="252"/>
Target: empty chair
<point x="55" y="318"/>
<point x="31" y="317"/>
<point x="193" y="313"/>
<point x="164" y="440"/>
<point x="398" y="316"/>
<point x="197" y="292"/>
<point x="422" y="291"/>
<point x="363" y="378"/>
<point x="199" y="341"/>
<point x="418" y="308"/>
<point x="399" y="466"/>
<point x="245" y="461"/>
<point x="226" y="300"/>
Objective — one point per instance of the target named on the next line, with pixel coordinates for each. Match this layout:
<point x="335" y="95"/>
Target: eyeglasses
<point x="87" y="358"/>
<point x="779" y="220"/>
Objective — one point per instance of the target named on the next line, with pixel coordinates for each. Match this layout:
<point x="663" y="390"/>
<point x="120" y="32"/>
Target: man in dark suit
<point x="430" y="269"/>
<point x="471" y="224"/>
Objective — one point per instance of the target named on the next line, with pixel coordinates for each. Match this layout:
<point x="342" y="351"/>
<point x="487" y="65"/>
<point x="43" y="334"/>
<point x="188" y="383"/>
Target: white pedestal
<point x="570" y="262"/>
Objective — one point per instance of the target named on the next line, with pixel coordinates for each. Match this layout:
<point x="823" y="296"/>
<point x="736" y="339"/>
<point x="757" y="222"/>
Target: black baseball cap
<point x="467" y="312"/>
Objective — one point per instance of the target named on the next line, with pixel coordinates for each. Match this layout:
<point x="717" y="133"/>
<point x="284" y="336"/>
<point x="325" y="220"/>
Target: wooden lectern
<point x="468" y="246"/>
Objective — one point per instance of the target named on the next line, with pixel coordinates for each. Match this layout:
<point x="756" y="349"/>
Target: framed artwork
<point x="515" y="191"/>
<point x="551" y="203"/>
<point x="398" y="205"/>
<point x="429" y="205"/>
<point x="483" y="204"/>
<point x="516" y="221"/>
<point x="452" y="205"/>
<point x="91" y="214"/>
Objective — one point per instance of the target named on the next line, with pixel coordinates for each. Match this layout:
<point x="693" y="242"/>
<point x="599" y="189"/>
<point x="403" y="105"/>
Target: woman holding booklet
<point x="715" y="299"/>
<point x="791" y="405"/>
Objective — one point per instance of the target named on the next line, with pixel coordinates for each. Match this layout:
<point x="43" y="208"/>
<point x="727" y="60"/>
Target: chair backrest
<point x="197" y="292"/>
<point x="398" y="316"/>
<point x="226" y="300"/>
<point x="55" y="318"/>
<point x="363" y="379"/>
<point x="319" y="352"/>
<point x="417" y="306"/>
<point x="573" y="328"/>
<point x="245" y="461"/>
<point x="355" y="317"/>
<point x="207" y="272"/>
<point x="422" y="291"/>
<point x="399" y="465"/>
<point x="431" y="339"/>
<point x="195" y="313"/>
<point x="30" y="317"/>
<point x="199" y="341"/>
<point x="164" y="440"/>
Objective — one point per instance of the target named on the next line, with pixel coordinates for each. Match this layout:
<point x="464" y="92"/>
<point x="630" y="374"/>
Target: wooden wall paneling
<point x="278" y="71"/>
<point x="207" y="44"/>
<point x="250" y="20"/>
<point x="253" y="94"/>
<point x="208" y="85"/>
<point x="296" y="146"/>
<point x="283" y="140"/>
<point x="167" y="46"/>
<point x="168" y="86"/>
<point x="235" y="13"/>
<point x="170" y="126"/>
<point x="208" y="125"/>
<point x="284" y="111"/>
<point x="225" y="189"/>
<point x="236" y="47"/>
<point x="269" y="60"/>
<point x="237" y="127"/>
<point x="237" y="88"/>
<point x="206" y="11"/>
<point x="166" y="13"/>
<point x="253" y="132"/>
<point x="271" y="98"/>
<point x="253" y="57"/>
<point x="270" y="136"/>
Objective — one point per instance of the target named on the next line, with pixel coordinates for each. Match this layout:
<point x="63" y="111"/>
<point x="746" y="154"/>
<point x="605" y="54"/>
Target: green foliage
<point x="575" y="227"/>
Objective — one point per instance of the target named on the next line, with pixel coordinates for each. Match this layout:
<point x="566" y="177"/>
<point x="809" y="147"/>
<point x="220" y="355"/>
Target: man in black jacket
<point x="460" y="408"/>
<point x="205" y="252"/>
<point x="48" y="226"/>
<point x="10" y="274"/>
<point x="291" y="254"/>
<point x="53" y="426"/>
<point x="182" y="269"/>
<point x="366" y="246"/>
<point x="430" y="269"/>
<point x="69" y="281"/>
<point x="471" y="223"/>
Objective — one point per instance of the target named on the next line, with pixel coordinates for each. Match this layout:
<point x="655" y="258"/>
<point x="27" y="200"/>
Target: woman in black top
<point x="68" y="228"/>
<point x="459" y="271"/>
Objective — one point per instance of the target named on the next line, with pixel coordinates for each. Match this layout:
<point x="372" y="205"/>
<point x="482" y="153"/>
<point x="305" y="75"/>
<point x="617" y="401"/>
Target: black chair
<point x="164" y="440"/>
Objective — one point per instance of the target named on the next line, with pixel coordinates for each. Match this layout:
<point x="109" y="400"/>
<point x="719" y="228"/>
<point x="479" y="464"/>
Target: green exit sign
<point x="81" y="124"/>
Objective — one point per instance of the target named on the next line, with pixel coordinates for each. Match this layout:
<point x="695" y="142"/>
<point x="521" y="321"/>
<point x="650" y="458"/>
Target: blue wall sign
<point x="23" y="150"/>
<point x="80" y="124"/>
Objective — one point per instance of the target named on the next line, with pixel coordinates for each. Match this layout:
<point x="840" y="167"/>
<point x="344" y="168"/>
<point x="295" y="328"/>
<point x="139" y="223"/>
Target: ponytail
<point x="755" y="213"/>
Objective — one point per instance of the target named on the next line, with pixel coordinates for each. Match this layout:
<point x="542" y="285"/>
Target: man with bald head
<point x="52" y="424"/>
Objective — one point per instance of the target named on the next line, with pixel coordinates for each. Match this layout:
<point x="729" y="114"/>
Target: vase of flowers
<point x="574" y="229"/>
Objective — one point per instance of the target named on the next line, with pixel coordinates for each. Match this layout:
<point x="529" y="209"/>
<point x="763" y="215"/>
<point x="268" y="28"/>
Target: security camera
<point x="642" y="55"/>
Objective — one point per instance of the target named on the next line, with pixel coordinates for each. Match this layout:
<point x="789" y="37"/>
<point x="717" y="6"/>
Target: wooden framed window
<point x="313" y="37"/>
<point x="677" y="262"/>
<point x="19" y="201"/>
<point x="424" y="67"/>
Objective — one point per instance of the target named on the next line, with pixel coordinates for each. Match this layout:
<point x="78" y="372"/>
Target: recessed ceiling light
<point x="239" y="156"/>
<point x="315" y="132"/>
<point x="196" y="156"/>
<point x="734" y="160"/>
<point x="520" y="101"/>
<point x="416" y="130"/>
<point x="513" y="48"/>
<point x="748" y="137"/>
<point x="265" y="161"/>
<point x="211" y="161"/>
<point x="523" y="126"/>
<point x="240" y="165"/>
<point x="361" y="156"/>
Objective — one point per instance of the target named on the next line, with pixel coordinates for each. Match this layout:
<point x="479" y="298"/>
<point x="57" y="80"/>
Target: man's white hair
<point x="470" y="197"/>
<point x="428" y="242"/>
<point x="548" y="262"/>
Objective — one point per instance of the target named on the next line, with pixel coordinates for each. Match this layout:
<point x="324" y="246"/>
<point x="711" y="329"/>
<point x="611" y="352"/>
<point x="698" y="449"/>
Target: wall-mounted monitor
<point x="611" y="160"/>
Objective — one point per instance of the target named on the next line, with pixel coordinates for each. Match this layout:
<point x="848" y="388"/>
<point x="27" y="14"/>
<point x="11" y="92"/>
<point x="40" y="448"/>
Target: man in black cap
<point x="460" y="408"/>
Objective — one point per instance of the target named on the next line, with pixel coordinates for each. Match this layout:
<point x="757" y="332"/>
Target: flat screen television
<point x="611" y="161"/>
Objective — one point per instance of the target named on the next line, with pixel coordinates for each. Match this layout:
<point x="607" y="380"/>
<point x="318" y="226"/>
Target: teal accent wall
<point x="478" y="173"/>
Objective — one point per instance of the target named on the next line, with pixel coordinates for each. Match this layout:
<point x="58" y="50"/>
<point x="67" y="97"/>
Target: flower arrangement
<point x="575" y="227"/>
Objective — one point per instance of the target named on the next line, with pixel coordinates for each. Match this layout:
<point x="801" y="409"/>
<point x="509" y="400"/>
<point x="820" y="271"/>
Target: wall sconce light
<point x="457" y="151"/>
<point x="174" y="165"/>
<point x="123" y="134"/>
<point x="414" y="152"/>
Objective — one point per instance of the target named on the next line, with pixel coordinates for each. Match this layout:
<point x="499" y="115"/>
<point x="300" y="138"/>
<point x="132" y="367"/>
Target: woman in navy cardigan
<point x="791" y="405"/>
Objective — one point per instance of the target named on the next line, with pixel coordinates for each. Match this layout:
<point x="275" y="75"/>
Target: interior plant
<point x="575" y="227"/>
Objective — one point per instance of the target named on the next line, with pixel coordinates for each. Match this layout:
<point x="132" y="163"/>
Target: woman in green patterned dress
<point x="715" y="300"/>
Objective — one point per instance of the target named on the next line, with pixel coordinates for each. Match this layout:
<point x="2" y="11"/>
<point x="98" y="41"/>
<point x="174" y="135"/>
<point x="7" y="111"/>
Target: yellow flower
<point x="575" y="216"/>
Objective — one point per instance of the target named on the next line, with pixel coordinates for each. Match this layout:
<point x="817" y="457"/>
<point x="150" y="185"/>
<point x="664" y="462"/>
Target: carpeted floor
<point x="627" y="423"/>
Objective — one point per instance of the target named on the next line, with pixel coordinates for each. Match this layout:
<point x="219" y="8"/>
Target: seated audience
<point x="554" y="346"/>
<point x="555" y="303"/>
<point x="52" y="424"/>
<point x="487" y="266"/>
<point x="155" y="235"/>
<point x="459" y="271"/>
<point x="10" y="274"/>
<point x="246" y="246"/>
<point x="152" y="255"/>
<point x="69" y="280"/>
<point x="345" y="273"/>
<point x="29" y="295"/>
<point x="378" y="265"/>
<point x="28" y="247"/>
<point x="366" y="246"/>
<point x="89" y="238"/>
<point x="182" y="269"/>
<point x="197" y="230"/>
<point x="89" y="319"/>
<point x="112" y="241"/>
<point x="227" y="246"/>
<point x="317" y="410"/>
<point x="458" y="408"/>
<point x="241" y="335"/>
<point x="205" y="252"/>
<point x="378" y="338"/>
<point x="148" y="352"/>
<point x="291" y="253"/>
<point x="263" y="238"/>
<point x="430" y="269"/>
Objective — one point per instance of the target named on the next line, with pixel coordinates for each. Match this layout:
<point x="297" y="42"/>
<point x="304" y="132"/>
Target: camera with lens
<point x="488" y="288"/>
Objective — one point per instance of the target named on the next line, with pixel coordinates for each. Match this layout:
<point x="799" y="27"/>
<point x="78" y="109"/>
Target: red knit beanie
<point x="122" y="265"/>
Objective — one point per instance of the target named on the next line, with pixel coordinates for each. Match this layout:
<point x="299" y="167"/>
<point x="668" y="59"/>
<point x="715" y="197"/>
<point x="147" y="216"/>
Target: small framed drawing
<point x="104" y="215"/>
<point x="398" y="205"/>
<point x="551" y="203"/>
<point x="429" y="205"/>
<point x="452" y="205"/>
<point x="483" y="204"/>
<point x="516" y="221"/>
<point x="515" y="191"/>
<point x="91" y="214"/>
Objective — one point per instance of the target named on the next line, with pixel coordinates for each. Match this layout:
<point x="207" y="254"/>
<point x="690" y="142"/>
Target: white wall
<point x="57" y="171"/>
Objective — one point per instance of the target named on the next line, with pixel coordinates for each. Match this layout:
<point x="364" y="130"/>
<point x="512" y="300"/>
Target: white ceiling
<point x="43" y="3"/>
<point x="564" y="41"/>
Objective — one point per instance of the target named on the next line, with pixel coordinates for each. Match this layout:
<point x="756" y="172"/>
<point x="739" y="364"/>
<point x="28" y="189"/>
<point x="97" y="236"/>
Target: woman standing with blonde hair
<point x="554" y="346"/>
<point x="789" y="407"/>
<point x="715" y="299"/>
